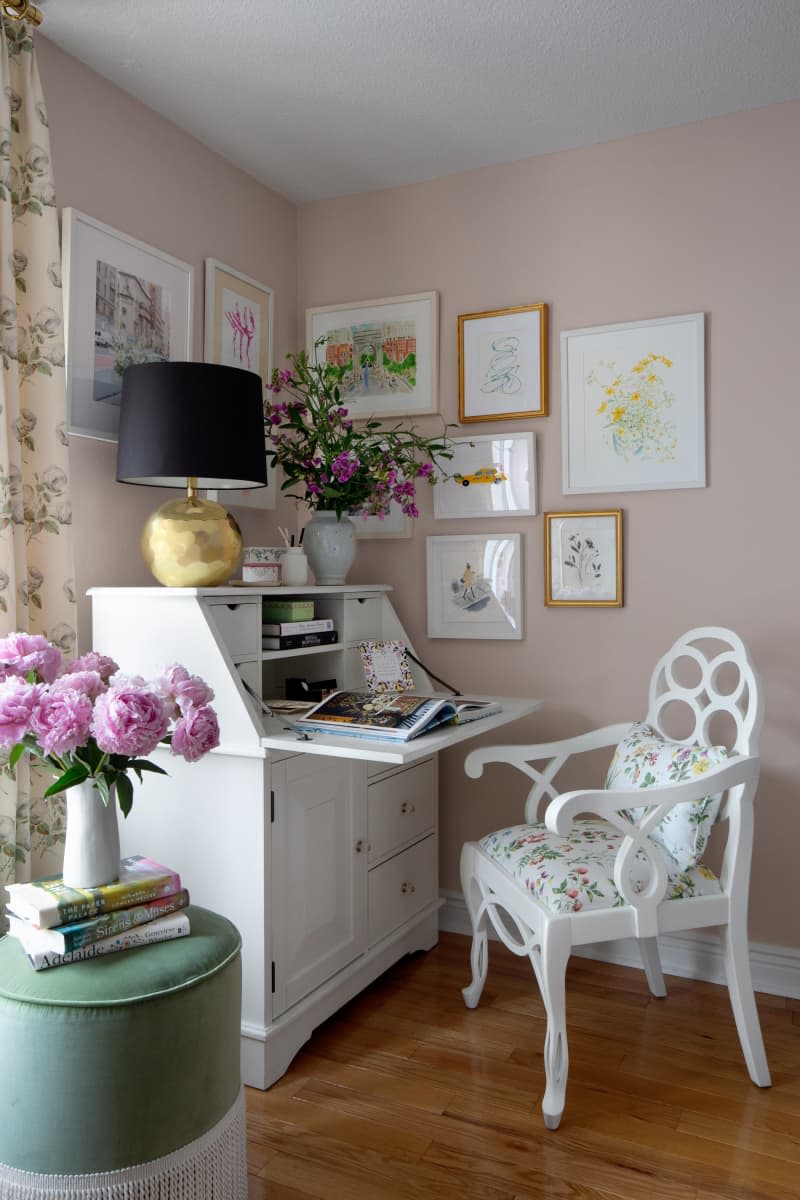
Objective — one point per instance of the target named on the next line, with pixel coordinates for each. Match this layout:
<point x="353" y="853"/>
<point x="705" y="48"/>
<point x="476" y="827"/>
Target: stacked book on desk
<point x="291" y="625"/>
<point x="56" y="924"/>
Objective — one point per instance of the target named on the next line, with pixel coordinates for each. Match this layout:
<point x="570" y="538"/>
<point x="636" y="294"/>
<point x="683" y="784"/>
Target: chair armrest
<point x="516" y="755"/>
<point x="608" y="802"/>
<point x="613" y="804"/>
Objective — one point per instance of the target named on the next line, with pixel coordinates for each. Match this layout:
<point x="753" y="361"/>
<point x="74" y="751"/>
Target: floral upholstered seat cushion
<point x="568" y="874"/>
<point x="645" y="759"/>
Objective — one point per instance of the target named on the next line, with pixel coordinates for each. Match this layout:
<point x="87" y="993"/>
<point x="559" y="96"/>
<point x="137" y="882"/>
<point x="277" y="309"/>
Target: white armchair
<point x="637" y="871"/>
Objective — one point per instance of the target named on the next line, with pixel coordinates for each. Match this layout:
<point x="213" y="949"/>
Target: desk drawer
<point x="401" y="887"/>
<point x="239" y="626"/>
<point x="401" y="809"/>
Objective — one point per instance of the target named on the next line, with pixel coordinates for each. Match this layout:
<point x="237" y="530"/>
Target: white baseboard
<point x="775" y="969"/>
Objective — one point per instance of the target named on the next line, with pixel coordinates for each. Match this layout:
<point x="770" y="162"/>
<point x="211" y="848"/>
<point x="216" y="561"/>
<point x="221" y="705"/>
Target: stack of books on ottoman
<point x="56" y="924"/>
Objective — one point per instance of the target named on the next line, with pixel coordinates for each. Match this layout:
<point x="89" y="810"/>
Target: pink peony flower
<point x="18" y="700"/>
<point x="105" y="666"/>
<point x="62" y="719"/>
<point x="195" y="733"/>
<point x="24" y="652"/>
<point x="180" y="689"/>
<point x="129" y="719"/>
<point x="89" y="683"/>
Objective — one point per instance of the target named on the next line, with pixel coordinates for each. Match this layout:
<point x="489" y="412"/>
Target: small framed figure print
<point x="583" y="559"/>
<point x="475" y="586"/>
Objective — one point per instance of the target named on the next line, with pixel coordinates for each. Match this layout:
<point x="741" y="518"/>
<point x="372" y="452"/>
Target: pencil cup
<point x="295" y="567"/>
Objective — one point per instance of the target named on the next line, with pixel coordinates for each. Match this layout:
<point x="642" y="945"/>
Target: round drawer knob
<point x="407" y="888"/>
<point x="407" y="807"/>
<point x="362" y="845"/>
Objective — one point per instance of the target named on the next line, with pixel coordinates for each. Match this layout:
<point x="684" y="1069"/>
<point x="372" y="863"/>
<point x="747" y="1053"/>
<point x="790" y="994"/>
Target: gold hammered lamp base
<point x="191" y="543"/>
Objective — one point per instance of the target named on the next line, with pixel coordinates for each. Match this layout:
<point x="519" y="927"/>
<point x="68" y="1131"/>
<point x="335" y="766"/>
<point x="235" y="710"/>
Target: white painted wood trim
<point x="775" y="969"/>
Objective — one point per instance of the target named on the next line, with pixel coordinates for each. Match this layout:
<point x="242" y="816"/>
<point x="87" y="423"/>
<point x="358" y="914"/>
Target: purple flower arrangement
<point x="330" y="461"/>
<point x="87" y="721"/>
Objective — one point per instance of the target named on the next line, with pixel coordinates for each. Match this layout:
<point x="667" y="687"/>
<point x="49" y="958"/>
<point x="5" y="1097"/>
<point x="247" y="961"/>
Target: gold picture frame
<point x="583" y="559"/>
<point x="502" y="364"/>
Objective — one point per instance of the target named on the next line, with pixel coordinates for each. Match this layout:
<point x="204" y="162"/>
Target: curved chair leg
<point x="479" y="954"/>
<point x="648" y="948"/>
<point x="551" y="970"/>
<point x="743" y="1001"/>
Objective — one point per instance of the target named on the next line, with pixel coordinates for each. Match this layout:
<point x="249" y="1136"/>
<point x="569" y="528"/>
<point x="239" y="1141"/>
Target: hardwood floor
<point x="407" y="1094"/>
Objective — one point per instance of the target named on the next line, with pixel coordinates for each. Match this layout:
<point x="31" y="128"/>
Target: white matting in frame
<point x="474" y="586"/>
<point x="395" y="524"/>
<point x="493" y="474"/>
<point x="634" y="406"/>
<point x="124" y="302"/>
<point x="384" y="351"/>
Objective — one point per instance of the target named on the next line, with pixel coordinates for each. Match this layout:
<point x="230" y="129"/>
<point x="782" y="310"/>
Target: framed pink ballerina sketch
<point x="238" y="320"/>
<point x="238" y="333"/>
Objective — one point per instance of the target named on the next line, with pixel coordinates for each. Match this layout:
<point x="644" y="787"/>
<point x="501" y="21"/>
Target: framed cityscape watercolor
<point x="383" y="352"/>
<point x="124" y="302"/>
<point x="502" y="364"/>
<point x="634" y="406"/>
<point x="238" y="333"/>
<point x="490" y="475"/>
<point x="583" y="559"/>
<point x="475" y="586"/>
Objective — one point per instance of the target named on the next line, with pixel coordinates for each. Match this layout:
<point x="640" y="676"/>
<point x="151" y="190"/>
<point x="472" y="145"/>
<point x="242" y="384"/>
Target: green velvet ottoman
<point x="119" y="1076"/>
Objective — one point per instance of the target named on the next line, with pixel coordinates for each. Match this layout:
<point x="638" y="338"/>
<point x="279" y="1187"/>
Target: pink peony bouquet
<point x="87" y="721"/>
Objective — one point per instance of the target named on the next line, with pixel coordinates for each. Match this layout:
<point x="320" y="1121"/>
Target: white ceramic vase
<point x="91" y="848"/>
<point x="330" y="545"/>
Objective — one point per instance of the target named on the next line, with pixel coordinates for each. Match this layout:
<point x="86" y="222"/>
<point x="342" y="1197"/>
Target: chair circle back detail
<point x="705" y="699"/>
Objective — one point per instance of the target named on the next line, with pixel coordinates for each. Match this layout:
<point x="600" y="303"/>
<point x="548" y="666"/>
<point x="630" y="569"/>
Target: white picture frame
<point x="237" y="332"/>
<point x="502" y="364"/>
<point x="583" y="559"/>
<point x="652" y="375"/>
<point x="124" y="302"/>
<point x="474" y="586"/>
<point x="491" y="475"/>
<point x="394" y="525"/>
<point x="238" y="319"/>
<point x="393" y="367"/>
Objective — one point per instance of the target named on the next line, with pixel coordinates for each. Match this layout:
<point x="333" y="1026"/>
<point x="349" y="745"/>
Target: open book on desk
<point x="396" y="717"/>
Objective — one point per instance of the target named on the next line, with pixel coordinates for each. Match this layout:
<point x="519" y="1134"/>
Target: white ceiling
<point x="321" y="98"/>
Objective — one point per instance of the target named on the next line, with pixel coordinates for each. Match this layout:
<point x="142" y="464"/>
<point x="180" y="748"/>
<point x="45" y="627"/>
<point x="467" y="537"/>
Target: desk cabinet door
<point x="319" y="878"/>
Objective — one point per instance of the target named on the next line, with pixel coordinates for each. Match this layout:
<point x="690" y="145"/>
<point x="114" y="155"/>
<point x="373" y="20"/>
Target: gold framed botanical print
<point x="583" y="559"/>
<point x="502" y="364"/>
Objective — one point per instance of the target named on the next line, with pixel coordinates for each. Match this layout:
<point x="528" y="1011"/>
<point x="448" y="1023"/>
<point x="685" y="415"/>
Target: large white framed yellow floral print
<point x="634" y="405"/>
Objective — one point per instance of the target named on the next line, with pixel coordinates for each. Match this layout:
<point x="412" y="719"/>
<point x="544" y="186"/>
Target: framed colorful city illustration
<point x="124" y="303"/>
<point x="383" y="353"/>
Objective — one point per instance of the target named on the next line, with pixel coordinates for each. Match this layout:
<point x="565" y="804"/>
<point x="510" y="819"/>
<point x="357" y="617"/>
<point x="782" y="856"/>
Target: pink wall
<point x="701" y="217"/>
<point x="120" y="162"/>
<point x="697" y="218"/>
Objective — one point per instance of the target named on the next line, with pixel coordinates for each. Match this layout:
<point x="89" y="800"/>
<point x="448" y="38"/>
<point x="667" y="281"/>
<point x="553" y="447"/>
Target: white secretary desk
<point x="324" y="853"/>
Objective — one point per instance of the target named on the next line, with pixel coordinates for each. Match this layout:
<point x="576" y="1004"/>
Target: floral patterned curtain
<point x="37" y="591"/>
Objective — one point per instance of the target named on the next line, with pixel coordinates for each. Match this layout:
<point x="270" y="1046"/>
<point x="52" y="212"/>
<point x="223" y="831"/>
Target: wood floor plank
<point x="407" y="1095"/>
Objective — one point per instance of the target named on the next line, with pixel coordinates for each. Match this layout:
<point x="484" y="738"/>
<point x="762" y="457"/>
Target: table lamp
<point x="191" y="425"/>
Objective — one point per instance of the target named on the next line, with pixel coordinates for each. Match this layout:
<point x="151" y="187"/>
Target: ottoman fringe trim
<point x="210" y="1168"/>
